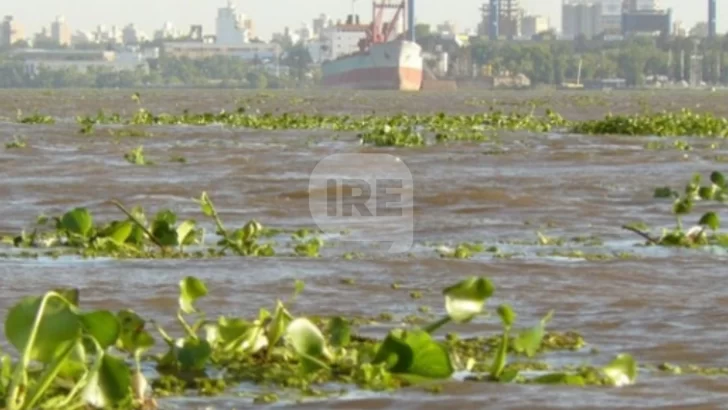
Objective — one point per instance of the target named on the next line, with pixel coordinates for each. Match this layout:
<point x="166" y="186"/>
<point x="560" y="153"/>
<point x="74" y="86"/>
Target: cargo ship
<point x="381" y="63"/>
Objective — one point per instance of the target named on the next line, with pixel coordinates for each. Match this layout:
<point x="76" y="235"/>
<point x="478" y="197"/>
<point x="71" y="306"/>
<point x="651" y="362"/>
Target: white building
<point x="34" y="60"/>
<point x="196" y="50"/>
<point x="342" y="39"/>
<point x="231" y="26"/>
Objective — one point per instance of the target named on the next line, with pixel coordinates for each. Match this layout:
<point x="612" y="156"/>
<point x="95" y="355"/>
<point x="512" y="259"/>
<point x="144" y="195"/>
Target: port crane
<point x="379" y="30"/>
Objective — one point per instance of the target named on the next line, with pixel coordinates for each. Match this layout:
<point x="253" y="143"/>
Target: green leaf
<point x="682" y="206"/>
<point x="277" y="326"/>
<point x="190" y="289"/>
<point x="206" y="205"/>
<point x="529" y="340"/>
<point x="78" y="221"/>
<point x="194" y="354"/>
<point x="114" y="379"/>
<point x="415" y="353"/>
<point x="132" y="336"/>
<point x="465" y="300"/>
<point x="184" y="230"/>
<point x="339" y="331"/>
<point x="507" y="315"/>
<point x="103" y="326"/>
<point x="308" y="341"/>
<point x="622" y="370"/>
<point x="711" y="220"/>
<point x="58" y="327"/>
<point x="119" y="232"/>
<point x="707" y="192"/>
<point x="718" y="179"/>
<point x="560" y="378"/>
<point x="499" y="362"/>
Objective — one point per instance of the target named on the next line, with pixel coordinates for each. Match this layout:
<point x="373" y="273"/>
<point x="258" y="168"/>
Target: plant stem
<point x="642" y="234"/>
<point x="139" y="224"/>
<point x="436" y="325"/>
<point x="186" y="326"/>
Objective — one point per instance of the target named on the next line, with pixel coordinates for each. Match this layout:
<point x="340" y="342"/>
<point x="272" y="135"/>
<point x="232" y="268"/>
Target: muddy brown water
<point x="663" y="306"/>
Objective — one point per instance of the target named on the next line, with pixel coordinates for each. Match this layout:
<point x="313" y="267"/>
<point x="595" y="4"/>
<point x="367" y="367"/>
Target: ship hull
<point x="396" y="65"/>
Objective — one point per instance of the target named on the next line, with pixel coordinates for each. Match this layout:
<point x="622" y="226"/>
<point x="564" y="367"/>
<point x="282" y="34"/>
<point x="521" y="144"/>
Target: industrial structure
<point x="501" y="18"/>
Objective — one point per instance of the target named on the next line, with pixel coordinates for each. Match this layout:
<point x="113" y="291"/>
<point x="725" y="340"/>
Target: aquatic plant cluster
<point x="418" y="130"/>
<point x="73" y="358"/>
<point x="705" y="232"/>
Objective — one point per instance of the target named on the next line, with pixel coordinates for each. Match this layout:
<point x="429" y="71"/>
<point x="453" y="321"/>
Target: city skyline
<point x="150" y="15"/>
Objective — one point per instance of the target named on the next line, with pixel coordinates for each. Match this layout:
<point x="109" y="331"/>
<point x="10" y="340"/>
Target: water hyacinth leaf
<point x="194" y="354"/>
<point x="682" y="206"/>
<point x="103" y="326"/>
<point x="465" y="300"/>
<point x="277" y="326"/>
<point x="166" y="217"/>
<point x="529" y="340"/>
<point x="78" y="221"/>
<point x="622" y="370"/>
<point x="184" y="230"/>
<point x="414" y="353"/>
<point x="59" y="326"/>
<point x="230" y="329"/>
<point x="132" y="336"/>
<point x="707" y="192"/>
<point x="308" y="341"/>
<point x="710" y="220"/>
<point x="718" y="179"/>
<point x="507" y="315"/>
<point x="560" y="378"/>
<point x="190" y="289"/>
<point x="120" y="231"/>
<point x="206" y="205"/>
<point x="499" y="361"/>
<point x="340" y="332"/>
<point x="114" y="379"/>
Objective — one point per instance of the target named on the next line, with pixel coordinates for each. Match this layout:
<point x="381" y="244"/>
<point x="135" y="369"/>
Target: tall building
<point x="532" y="25"/>
<point x="61" y="32"/>
<point x="11" y="32"/>
<point x="611" y="16"/>
<point x="320" y="24"/>
<point x="642" y="5"/>
<point x="711" y="18"/>
<point x="581" y="17"/>
<point x="501" y="18"/>
<point x="230" y="26"/>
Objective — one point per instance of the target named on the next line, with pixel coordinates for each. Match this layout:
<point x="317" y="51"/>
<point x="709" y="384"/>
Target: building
<point x="343" y="38"/>
<point x="532" y="25"/>
<point x="61" y="32"/>
<point x="654" y="23"/>
<point x="81" y="60"/>
<point x="501" y="19"/>
<point x="581" y="17"/>
<point x="712" y="10"/>
<point x="642" y="5"/>
<point x="11" y="32"/>
<point x="200" y="50"/>
<point x="320" y="24"/>
<point x="611" y="16"/>
<point x="130" y="35"/>
<point x="230" y="26"/>
<point x="678" y="29"/>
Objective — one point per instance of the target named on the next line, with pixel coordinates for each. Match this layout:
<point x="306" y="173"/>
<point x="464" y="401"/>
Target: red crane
<point x="380" y="31"/>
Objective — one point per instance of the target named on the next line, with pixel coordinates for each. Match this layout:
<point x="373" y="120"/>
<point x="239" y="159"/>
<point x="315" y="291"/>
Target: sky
<point x="272" y="15"/>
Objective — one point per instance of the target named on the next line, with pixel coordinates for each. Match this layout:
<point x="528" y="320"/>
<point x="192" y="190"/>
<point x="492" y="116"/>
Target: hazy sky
<point x="273" y="15"/>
